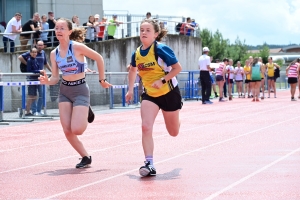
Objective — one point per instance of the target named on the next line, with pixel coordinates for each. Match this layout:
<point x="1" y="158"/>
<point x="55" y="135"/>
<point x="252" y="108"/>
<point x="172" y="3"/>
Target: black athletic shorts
<point x="168" y="102"/>
<point x="247" y="81"/>
<point x="219" y="78"/>
<point x="292" y="80"/>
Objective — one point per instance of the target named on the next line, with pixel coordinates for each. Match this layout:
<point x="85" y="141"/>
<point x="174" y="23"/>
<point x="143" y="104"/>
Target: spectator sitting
<point x="13" y="26"/>
<point x="44" y="34"/>
<point x="31" y="25"/>
<point x="111" y="29"/>
<point x="90" y="33"/>
<point x="32" y="66"/>
<point x="186" y="27"/>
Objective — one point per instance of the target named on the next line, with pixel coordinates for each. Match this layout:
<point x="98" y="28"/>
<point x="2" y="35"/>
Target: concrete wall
<point x="116" y="54"/>
<point x="68" y="8"/>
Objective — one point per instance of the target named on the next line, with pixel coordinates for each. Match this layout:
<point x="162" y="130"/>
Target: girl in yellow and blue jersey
<point x="157" y="66"/>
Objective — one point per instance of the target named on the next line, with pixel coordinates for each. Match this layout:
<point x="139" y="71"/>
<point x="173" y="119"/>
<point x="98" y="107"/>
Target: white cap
<point x="205" y="49"/>
<point x="97" y="16"/>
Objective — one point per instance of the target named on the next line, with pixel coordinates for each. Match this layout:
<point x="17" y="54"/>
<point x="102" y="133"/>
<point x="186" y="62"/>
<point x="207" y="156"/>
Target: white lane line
<point x="216" y="194"/>
<point x="172" y="158"/>
<point x="83" y="136"/>
<point x="138" y="141"/>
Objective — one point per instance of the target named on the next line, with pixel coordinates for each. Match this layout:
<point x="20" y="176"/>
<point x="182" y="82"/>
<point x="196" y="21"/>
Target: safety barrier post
<point x="2" y="106"/>
<point x="123" y="97"/>
<point x="123" y="88"/>
<point x="23" y="101"/>
<point x="111" y="98"/>
<point x="44" y="100"/>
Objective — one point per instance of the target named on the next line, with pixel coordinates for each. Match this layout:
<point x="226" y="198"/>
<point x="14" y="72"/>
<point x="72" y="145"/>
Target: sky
<point x="255" y="21"/>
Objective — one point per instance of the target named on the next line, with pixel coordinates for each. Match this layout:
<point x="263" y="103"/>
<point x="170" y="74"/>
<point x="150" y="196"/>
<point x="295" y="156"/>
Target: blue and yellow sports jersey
<point x="152" y="69"/>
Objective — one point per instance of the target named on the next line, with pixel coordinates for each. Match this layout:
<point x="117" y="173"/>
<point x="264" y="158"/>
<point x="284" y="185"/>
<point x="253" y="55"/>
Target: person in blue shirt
<point x="32" y="66"/>
<point x="41" y="58"/>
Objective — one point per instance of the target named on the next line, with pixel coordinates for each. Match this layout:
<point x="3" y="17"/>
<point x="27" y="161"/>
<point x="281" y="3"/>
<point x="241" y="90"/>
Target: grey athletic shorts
<point x="76" y="92"/>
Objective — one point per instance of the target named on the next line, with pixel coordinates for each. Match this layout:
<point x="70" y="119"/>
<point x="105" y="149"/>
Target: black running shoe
<point x="147" y="170"/>
<point x="91" y="116"/>
<point x="85" y="162"/>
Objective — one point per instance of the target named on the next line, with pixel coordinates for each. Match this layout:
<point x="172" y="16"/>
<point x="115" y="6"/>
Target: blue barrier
<point x="192" y="86"/>
<point x="23" y="106"/>
<point x="123" y="88"/>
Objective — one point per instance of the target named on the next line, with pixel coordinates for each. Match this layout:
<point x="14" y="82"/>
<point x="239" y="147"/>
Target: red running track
<point x="232" y="150"/>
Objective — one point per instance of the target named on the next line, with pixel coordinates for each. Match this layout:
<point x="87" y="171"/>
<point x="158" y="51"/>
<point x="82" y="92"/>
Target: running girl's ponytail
<point x="77" y="34"/>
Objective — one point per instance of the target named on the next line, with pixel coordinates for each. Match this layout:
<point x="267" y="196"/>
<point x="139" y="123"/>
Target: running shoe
<point x="222" y="100"/>
<point x="293" y="99"/>
<point x="147" y="170"/>
<point x="209" y="102"/>
<point x="91" y="116"/>
<point x="28" y="114"/>
<point x="85" y="162"/>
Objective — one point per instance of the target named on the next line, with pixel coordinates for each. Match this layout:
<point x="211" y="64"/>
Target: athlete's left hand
<point x="157" y="84"/>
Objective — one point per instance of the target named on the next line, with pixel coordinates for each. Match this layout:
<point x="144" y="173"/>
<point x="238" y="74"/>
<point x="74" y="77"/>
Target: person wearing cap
<point x="111" y="28"/>
<point x="97" y="25"/>
<point x="13" y="26"/>
<point x="204" y="66"/>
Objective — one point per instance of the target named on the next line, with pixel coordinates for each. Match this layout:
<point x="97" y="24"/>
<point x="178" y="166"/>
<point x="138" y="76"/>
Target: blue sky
<point x="255" y="21"/>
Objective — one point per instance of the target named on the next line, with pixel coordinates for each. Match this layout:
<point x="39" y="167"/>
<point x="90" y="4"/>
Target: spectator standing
<point x="102" y="26"/>
<point x="255" y="73"/>
<point x="148" y="15"/>
<point x="90" y="30"/>
<point x="30" y="25"/>
<point x="13" y="26"/>
<point x="229" y="78"/>
<point x="270" y="66"/>
<point x="32" y="66"/>
<point x="52" y="22"/>
<point x="186" y="28"/>
<point x="111" y="29"/>
<point x="239" y="73"/>
<point x="97" y="26"/>
<point x="292" y="72"/>
<point x="45" y="28"/>
<point x="2" y="28"/>
<point x="42" y="63"/>
<point x="75" y="21"/>
<point x="204" y="66"/>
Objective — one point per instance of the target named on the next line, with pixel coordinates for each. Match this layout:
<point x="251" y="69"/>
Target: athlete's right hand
<point x="128" y="96"/>
<point x="43" y="77"/>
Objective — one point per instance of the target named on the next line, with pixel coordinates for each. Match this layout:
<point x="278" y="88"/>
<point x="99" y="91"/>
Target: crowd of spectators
<point x="39" y="27"/>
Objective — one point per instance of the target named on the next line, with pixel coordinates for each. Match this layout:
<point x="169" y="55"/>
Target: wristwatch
<point x="163" y="80"/>
<point x="102" y="80"/>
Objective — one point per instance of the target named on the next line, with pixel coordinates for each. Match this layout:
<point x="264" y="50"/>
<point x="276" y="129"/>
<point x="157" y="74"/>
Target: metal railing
<point x="126" y="29"/>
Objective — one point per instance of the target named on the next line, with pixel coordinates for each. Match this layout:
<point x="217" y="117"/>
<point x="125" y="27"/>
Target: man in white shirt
<point x="13" y="26"/>
<point x="204" y="66"/>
